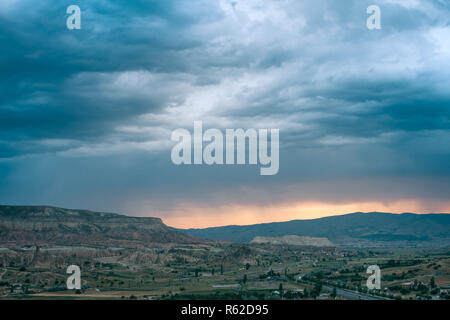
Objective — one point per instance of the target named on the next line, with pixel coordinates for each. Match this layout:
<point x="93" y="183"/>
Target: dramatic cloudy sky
<point x="364" y="115"/>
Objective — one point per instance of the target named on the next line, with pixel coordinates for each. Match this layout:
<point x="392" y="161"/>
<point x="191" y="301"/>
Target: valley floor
<point x="223" y="271"/>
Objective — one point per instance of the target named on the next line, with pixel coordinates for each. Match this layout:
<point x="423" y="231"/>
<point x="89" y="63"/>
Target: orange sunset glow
<point x="191" y="216"/>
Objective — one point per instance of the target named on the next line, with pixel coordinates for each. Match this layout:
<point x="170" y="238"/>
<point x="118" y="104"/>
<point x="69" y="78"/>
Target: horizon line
<point x="230" y="225"/>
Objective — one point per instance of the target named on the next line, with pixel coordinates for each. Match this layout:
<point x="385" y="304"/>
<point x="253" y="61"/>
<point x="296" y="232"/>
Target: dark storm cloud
<point x="50" y="77"/>
<point x="350" y="103"/>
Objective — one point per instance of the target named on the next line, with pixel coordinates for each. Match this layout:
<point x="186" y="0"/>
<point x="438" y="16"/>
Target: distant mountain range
<point x="374" y="229"/>
<point x="29" y="225"/>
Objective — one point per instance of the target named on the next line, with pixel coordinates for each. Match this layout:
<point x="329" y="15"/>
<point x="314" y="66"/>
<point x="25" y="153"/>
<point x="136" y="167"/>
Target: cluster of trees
<point x="271" y="274"/>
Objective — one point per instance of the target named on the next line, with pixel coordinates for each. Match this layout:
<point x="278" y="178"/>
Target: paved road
<point x="354" y="295"/>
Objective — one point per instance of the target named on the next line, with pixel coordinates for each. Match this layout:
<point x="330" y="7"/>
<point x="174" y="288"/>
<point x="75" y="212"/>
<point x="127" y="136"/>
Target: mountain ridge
<point x="23" y="225"/>
<point x="378" y="228"/>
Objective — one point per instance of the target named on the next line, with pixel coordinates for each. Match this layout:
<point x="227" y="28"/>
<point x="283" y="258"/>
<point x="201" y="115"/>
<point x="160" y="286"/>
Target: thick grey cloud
<point x="86" y="115"/>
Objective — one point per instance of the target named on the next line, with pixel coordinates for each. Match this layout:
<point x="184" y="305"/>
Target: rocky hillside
<point x="295" y="241"/>
<point x="23" y="225"/>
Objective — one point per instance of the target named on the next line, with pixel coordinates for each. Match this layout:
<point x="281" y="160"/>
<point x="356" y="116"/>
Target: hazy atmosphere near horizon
<point x="86" y="116"/>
